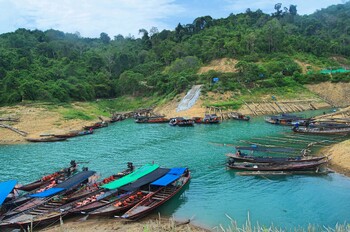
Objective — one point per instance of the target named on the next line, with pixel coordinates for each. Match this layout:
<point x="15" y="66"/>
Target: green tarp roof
<point x="138" y="173"/>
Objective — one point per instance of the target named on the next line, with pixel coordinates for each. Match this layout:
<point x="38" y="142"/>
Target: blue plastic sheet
<point x="5" y="188"/>
<point x="165" y="180"/>
<point x="47" y="193"/>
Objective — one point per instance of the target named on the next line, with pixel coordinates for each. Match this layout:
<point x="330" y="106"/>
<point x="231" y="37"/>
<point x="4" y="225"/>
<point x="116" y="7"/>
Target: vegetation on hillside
<point x="60" y="67"/>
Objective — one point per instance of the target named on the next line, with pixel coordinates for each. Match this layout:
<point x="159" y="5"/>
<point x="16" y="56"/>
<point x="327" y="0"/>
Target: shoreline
<point x="38" y="120"/>
<point x="150" y="223"/>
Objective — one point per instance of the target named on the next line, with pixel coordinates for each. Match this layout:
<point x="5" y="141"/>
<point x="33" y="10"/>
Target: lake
<point x="214" y="192"/>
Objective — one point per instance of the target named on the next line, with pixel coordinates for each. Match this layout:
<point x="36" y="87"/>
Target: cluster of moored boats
<point x="130" y="194"/>
<point x="311" y="125"/>
<point x="274" y="164"/>
<point x="86" y="130"/>
<point x="285" y="163"/>
<point x="180" y="121"/>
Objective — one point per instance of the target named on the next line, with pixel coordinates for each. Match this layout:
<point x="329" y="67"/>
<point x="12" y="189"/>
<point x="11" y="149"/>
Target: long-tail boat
<point x="45" y="139"/>
<point x="275" y="166"/>
<point x="286" y="119"/>
<point x="165" y="188"/>
<point x="180" y="121"/>
<point x="45" y="180"/>
<point x="136" y="192"/>
<point x="95" y="187"/>
<point x="38" y="199"/>
<point x="322" y="130"/>
<point x="52" y="210"/>
<point x="96" y="125"/>
<point x="272" y="159"/>
<point x="74" y="133"/>
<point x="240" y="117"/>
<point x="6" y="188"/>
<point x="208" y="119"/>
<point x="155" y="119"/>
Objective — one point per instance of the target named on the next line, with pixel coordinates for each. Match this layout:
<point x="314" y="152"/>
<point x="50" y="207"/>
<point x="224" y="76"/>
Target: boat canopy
<point x="138" y="173"/>
<point x="266" y="149"/>
<point x="177" y="171"/>
<point x="171" y="176"/>
<point x="155" y="175"/>
<point x="5" y="188"/>
<point x="65" y="185"/>
<point x="47" y="193"/>
<point x="76" y="179"/>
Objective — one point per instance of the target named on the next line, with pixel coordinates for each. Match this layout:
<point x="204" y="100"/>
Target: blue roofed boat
<point x="5" y="189"/>
<point x="163" y="189"/>
<point x="41" y="198"/>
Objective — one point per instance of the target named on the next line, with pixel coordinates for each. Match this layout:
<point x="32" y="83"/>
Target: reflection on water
<point x="287" y="201"/>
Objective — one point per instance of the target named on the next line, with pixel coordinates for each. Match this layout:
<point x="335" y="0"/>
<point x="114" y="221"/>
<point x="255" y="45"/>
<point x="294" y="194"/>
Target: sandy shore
<point x="116" y="225"/>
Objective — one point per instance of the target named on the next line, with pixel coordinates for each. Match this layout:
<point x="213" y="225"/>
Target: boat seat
<point x="35" y="213"/>
<point x="104" y="201"/>
<point x="53" y="203"/>
<point x="158" y="198"/>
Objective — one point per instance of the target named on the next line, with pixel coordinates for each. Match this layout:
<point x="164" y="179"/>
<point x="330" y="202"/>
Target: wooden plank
<point x="279" y="107"/>
<point x="23" y="133"/>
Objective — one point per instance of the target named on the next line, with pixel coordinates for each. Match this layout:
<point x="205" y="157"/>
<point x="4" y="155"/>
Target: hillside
<point x="258" y="50"/>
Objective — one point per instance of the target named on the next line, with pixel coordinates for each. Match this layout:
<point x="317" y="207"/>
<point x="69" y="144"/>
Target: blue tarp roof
<point x="75" y="180"/>
<point x="172" y="175"/>
<point x="5" y="188"/>
<point x="165" y="180"/>
<point x="65" y="185"/>
<point x="177" y="171"/>
<point x="47" y="193"/>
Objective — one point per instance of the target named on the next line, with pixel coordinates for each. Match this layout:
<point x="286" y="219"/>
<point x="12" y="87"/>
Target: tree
<point x="293" y="10"/>
<point x="105" y="38"/>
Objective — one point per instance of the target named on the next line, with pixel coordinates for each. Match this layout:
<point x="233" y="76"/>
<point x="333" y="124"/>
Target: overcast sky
<point x="126" y="17"/>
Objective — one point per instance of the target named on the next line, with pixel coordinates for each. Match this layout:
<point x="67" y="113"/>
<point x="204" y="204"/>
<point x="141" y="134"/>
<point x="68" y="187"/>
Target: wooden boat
<point x="299" y="166"/>
<point x="55" y="208"/>
<point x="74" y="134"/>
<point x="120" y="205"/>
<point x="240" y="117"/>
<point x="180" y="121"/>
<point x="7" y="189"/>
<point x="95" y="187"/>
<point x="96" y="125"/>
<point x="260" y="148"/>
<point x="44" y="200"/>
<point x="208" y="119"/>
<point x="45" y="180"/>
<point x="321" y="171"/>
<point x="322" y="130"/>
<point x="286" y="119"/>
<point x="158" y="119"/>
<point x="45" y="139"/>
<point x="109" y="197"/>
<point x="272" y="159"/>
<point x="116" y="118"/>
<point x="166" y="187"/>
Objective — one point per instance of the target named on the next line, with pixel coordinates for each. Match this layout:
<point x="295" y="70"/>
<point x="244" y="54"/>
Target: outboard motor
<point x="73" y="163"/>
<point x="130" y="166"/>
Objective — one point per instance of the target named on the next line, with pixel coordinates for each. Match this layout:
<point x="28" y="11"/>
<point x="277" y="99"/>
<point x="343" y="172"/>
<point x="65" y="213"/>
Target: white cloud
<point x="89" y="17"/>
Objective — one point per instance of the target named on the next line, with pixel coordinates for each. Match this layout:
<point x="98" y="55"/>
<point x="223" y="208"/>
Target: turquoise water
<point x="287" y="202"/>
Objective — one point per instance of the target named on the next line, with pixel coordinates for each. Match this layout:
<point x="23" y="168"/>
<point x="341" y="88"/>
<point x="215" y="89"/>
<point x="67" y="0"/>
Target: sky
<point x="92" y="17"/>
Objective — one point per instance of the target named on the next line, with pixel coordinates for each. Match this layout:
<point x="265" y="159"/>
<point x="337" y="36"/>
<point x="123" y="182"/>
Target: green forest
<point x="61" y="67"/>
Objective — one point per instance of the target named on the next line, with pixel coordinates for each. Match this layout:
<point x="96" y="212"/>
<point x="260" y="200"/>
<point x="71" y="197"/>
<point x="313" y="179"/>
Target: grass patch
<point x="233" y="105"/>
<point x="70" y="114"/>
<point x="125" y="103"/>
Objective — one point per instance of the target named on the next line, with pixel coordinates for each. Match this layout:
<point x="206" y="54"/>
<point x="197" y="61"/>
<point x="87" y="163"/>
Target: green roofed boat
<point x="138" y="173"/>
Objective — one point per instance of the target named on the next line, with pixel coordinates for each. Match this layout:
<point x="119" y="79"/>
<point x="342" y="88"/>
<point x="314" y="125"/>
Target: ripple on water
<point x="286" y="201"/>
